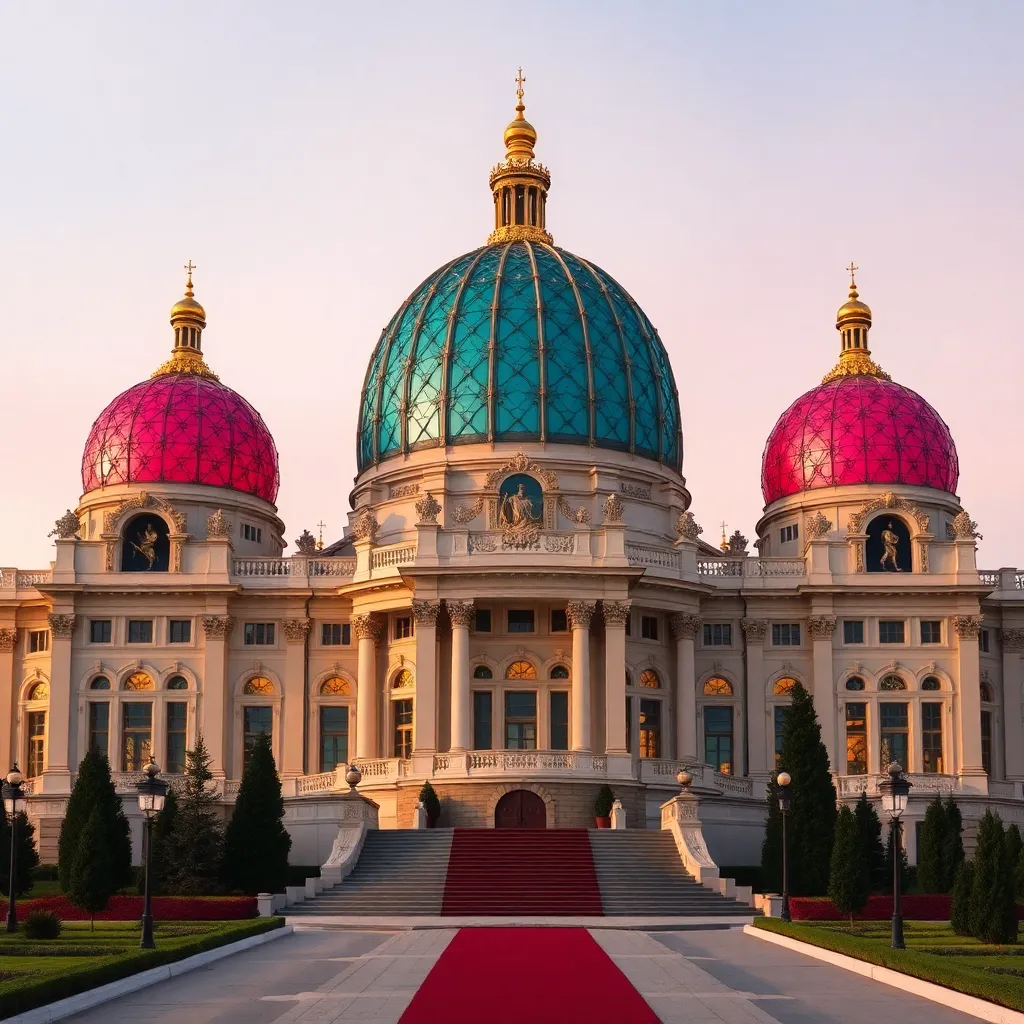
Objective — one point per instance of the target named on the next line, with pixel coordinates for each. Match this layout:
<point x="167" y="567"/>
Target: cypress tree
<point x="993" y="906"/>
<point x="93" y="875"/>
<point x="904" y="865"/>
<point x="812" y="816"/>
<point x="163" y="848"/>
<point x="849" y="883"/>
<point x="953" y="853"/>
<point x="771" y="848"/>
<point x="960" y="912"/>
<point x="1014" y="846"/>
<point x="869" y="828"/>
<point x="26" y="857"/>
<point x="1019" y="874"/>
<point x="932" y="875"/>
<point x="197" y="841"/>
<point x="94" y="790"/>
<point x="257" y="843"/>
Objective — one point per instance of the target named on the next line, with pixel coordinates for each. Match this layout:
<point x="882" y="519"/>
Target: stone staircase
<point x="640" y="874"/>
<point x="399" y="872"/>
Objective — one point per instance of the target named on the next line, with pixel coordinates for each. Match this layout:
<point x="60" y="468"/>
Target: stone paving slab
<point x="426" y="921"/>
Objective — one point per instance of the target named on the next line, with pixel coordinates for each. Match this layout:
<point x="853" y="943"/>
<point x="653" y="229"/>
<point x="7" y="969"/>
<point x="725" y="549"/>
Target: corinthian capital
<point x="8" y="639"/>
<point x="580" y="613"/>
<point x="296" y="630"/>
<point x="61" y="626"/>
<point x="425" y="612"/>
<point x="616" y="613"/>
<point x="967" y="626"/>
<point x="217" y="627"/>
<point x="755" y="630"/>
<point x="367" y="627"/>
<point x="821" y="627"/>
<point x="460" y="612"/>
<point x="685" y="626"/>
<point x="1013" y="639"/>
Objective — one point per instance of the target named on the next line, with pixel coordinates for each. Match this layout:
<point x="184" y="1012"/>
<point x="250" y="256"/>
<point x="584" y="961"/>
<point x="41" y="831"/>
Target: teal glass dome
<point x="520" y="341"/>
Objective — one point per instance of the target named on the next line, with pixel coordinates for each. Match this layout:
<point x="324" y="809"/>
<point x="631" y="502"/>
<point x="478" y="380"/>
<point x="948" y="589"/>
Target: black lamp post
<point x="152" y="792"/>
<point x="895" y="788"/>
<point x="782" y="785"/>
<point x="14" y="802"/>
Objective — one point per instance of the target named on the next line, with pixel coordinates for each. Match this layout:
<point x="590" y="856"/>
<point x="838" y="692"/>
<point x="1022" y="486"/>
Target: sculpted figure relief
<point x="147" y="545"/>
<point x="517" y="510"/>
<point x="890" y="541"/>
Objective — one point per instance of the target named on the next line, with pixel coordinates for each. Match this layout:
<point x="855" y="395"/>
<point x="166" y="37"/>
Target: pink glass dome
<point x="182" y="428"/>
<point x="858" y="430"/>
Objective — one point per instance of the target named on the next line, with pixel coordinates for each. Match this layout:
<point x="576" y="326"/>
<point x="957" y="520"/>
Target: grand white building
<point x="521" y="607"/>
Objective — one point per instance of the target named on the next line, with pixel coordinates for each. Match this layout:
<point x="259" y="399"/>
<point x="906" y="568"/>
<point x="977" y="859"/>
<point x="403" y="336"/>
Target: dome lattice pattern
<point x="185" y="429"/>
<point x="858" y="430"/>
<point x="519" y="341"/>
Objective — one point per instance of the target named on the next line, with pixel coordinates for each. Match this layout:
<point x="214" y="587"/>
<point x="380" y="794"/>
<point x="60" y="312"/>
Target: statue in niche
<point x="517" y="509"/>
<point x="890" y="544"/>
<point x="145" y="545"/>
<point x="520" y="511"/>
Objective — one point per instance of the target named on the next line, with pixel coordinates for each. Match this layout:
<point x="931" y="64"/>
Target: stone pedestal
<point x="358" y="816"/>
<point x="681" y="816"/>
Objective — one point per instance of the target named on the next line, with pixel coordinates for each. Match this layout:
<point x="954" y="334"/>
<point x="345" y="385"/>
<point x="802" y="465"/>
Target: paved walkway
<point x="695" y="976"/>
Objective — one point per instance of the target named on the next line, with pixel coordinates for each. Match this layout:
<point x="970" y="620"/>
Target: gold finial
<point x="188" y="318"/>
<point x="725" y="543"/>
<point x="520" y="82"/>
<point x="853" y="322"/>
<point x="853" y="268"/>
<point x="320" y="539"/>
<point x="189" y="267"/>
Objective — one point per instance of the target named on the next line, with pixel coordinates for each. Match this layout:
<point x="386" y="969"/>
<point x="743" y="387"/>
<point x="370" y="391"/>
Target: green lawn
<point x="33" y="973"/>
<point x="934" y="953"/>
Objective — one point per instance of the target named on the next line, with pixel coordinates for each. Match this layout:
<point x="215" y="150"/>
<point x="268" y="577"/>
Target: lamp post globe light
<point x="14" y="804"/>
<point x="782" y="783"/>
<point x="152" y="792"/>
<point x="895" y="788"/>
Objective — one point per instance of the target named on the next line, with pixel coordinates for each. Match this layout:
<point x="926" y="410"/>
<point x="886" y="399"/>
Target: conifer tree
<point x="257" y="843"/>
<point x="197" y="841"/>
<point x="163" y="848"/>
<point x="932" y="875"/>
<point x="993" y="906"/>
<point x="1019" y="874"/>
<point x="93" y="875"/>
<point x="94" y="790"/>
<point x="812" y="816"/>
<point x="960" y="912"/>
<point x="26" y="857"/>
<point x="953" y="854"/>
<point x="1014" y="848"/>
<point x="849" y="883"/>
<point x="904" y="864"/>
<point x="869" y="828"/>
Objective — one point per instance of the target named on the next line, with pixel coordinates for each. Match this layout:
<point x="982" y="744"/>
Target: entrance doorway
<point x="520" y="809"/>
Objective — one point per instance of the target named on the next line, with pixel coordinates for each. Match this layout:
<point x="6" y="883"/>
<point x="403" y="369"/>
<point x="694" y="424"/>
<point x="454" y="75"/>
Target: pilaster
<point x="615" y="615"/>
<point x="461" y="615"/>
<point x="1012" y="641"/>
<point x="8" y="642"/>
<point x="579" y="614"/>
<point x="685" y="626"/>
<point x="293" y="715"/>
<point x="368" y="630"/>
<point x="820" y="628"/>
<point x="57" y="771"/>
<point x="425" y="713"/>
<point x="972" y="772"/>
<point x="760" y="766"/>
<point x="216" y="694"/>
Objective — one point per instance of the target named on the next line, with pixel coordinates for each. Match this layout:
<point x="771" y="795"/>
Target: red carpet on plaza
<point x="515" y="975"/>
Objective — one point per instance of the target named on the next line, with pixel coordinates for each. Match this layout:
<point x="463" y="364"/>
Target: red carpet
<point x="521" y="872"/>
<point x="535" y="975"/>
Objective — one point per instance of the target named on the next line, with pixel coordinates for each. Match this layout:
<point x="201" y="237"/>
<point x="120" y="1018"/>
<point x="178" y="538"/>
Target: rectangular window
<point x="559" y="720"/>
<point x="136" y="736"/>
<point x="629" y="725"/>
<point x="99" y="728"/>
<point x="785" y="634"/>
<point x="36" y="743"/>
<point x="559" y="621"/>
<point x="780" y="725"/>
<point x="856" y="739"/>
<point x="38" y="641"/>
<point x="335" y="634"/>
<point x="629" y="624"/>
<point x="259" y="634"/>
<point x="984" y="640"/>
<point x="986" y="742"/>
<point x="891" y="631"/>
<point x="180" y="631"/>
<point x="177" y="718"/>
<point x="253" y="533"/>
<point x="718" y="738"/>
<point x="931" y="738"/>
<point x="333" y="737"/>
<point x="649" y="627"/>
<point x="403" y="627"/>
<point x="853" y="631"/>
<point x="100" y="631"/>
<point x="520" y="721"/>
<point x="256" y="722"/>
<point x="718" y="634"/>
<point x="931" y="631"/>
<point x="788" y="533"/>
<point x="895" y="731"/>
<point x="483" y="620"/>
<point x="520" y="620"/>
<point x="482" y="704"/>
<point x="650" y="728"/>
<point x="403" y="729"/>
<point x="140" y="631"/>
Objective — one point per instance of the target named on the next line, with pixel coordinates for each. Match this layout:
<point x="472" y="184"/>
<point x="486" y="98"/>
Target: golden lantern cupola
<point x="519" y="184"/>
<point x="853" y="322"/>
<point x="188" y="318"/>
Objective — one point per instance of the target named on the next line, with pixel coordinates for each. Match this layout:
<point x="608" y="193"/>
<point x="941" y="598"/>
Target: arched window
<point x="482" y="672"/>
<point x="716" y="686"/>
<point x="335" y="687"/>
<point x="783" y="687"/>
<point x="888" y="545"/>
<point x="986" y="692"/>
<point x="521" y="670"/>
<point x="100" y="683"/>
<point x="139" y="681"/>
<point x="560" y="672"/>
<point x="892" y="682"/>
<point x="39" y="691"/>
<point x="402" y="681"/>
<point x="258" y="686"/>
<point x="145" y="544"/>
<point x="629" y="678"/>
<point x="855" y="683"/>
<point x="177" y="683"/>
<point x="649" y="679"/>
<point x="931" y="683"/>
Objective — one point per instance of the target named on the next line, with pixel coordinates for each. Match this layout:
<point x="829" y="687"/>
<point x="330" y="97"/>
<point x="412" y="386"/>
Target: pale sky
<point x="724" y="161"/>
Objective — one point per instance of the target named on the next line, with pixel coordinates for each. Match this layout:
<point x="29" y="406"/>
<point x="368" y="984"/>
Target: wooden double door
<point x="520" y="809"/>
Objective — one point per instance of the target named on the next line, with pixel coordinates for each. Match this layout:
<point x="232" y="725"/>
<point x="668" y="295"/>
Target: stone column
<point x="615" y="615"/>
<point x="58" y="766"/>
<point x="8" y="711"/>
<point x="461" y="615"/>
<point x="579" y="614"/>
<point x="1012" y="643"/>
<point x="972" y="772"/>
<point x="217" y="697"/>
<point x="367" y="629"/>
<point x="293" y="712"/>
<point x="684" y="629"/>
<point x="425" y="716"/>
<point x="821" y="628"/>
<point x="761" y="760"/>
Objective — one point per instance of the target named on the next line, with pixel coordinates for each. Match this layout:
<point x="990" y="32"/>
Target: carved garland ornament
<point x="616" y="613"/>
<point x="967" y="626"/>
<point x="66" y="527"/>
<point x="8" y="639"/>
<point x="467" y="513"/>
<point x="817" y="526"/>
<point x="461" y="613"/>
<point x="217" y="627"/>
<point x="580" y="613"/>
<point x="889" y="500"/>
<point x="687" y="527"/>
<point x="428" y="508"/>
<point x="613" y="509"/>
<point x="685" y="626"/>
<point x="218" y="525"/>
<point x="365" y="525"/>
<point x="579" y="515"/>
<point x="521" y="463"/>
<point x="61" y="626"/>
<point x="296" y="630"/>
<point x="141" y="501"/>
<point x="821" y="627"/>
<point x="425" y="612"/>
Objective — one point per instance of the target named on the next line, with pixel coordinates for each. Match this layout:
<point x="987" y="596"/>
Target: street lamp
<point x="14" y="802"/>
<point x="895" y="788"/>
<point x="785" y="797"/>
<point x="152" y="792"/>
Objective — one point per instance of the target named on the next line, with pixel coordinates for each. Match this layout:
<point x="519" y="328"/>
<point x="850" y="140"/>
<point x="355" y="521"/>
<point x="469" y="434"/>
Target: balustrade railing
<point x="775" y="567"/>
<point x="537" y="760"/>
<point x="719" y="567"/>
<point x="331" y="566"/>
<point x="400" y="554"/>
<point x="920" y="782"/>
<point x="23" y="580"/>
<point x="646" y="554"/>
<point x="1018" y="581"/>
<point x="261" y="567"/>
<point x="325" y="782"/>
<point x="989" y="578"/>
<point x="1004" y="790"/>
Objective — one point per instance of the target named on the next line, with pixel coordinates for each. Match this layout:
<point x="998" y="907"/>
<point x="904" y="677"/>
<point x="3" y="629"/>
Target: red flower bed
<point x="915" y="907"/>
<point x="165" y="908"/>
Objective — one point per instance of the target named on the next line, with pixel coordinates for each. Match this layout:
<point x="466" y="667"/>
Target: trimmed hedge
<point x="21" y="994"/>
<point x="914" y="907"/>
<point x="129" y="908"/>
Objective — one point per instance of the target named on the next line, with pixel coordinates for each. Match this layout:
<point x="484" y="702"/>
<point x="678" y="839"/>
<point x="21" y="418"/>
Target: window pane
<point x="99" y="631"/>
<point x="333" y="738"/>
<point x="482" y="702"/>
<point x="853" y="631"/>
<point x="403" y="729"/>
<point x="181" y="631"/>
<point x="856" y="740"/>
<point x="36" y="742"/>
<point x="931" y="632"/>
<point x="891" y="632"/>
<point x="559" y="621"/>
<point x="780" y="724"/>
<point x="520" y="620"/>
<point x="521" y="721"/>
<point x="650" y="728"/>
<point x="931" y="738"/>
<point x="99" y="727"/>
<point x="718" y="738"/>
<point x="483" y="620"/>
<point x="177" y="717"/>
<point x="894" y="722"/>
<point x="136" y="736"/>
<point x="257" y="721"/>
<point x="559" y="721"/>
<point x="986" y="741"/>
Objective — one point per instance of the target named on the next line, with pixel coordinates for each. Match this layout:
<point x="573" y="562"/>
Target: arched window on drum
<point x="782" y="698"/>
<point x="718" y="724"/>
